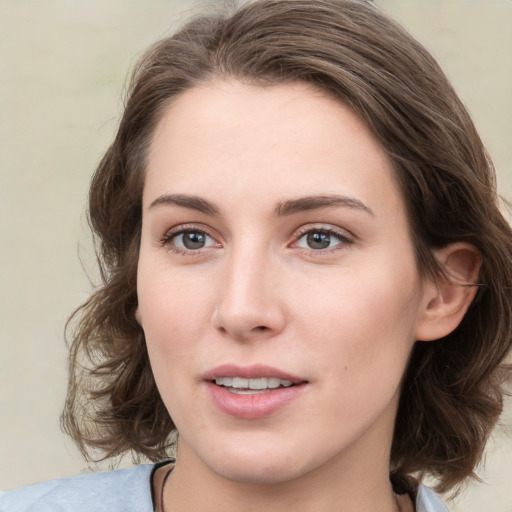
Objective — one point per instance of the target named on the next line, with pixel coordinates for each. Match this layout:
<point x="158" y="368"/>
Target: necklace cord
<point x="166" y="477"/>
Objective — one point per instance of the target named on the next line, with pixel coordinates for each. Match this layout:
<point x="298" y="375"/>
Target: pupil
<point x="193" y="240"/>
<point x="318" y="240"/>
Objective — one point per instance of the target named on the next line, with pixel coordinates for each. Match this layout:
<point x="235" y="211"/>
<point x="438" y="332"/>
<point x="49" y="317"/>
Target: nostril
<point x="261" y="328"/>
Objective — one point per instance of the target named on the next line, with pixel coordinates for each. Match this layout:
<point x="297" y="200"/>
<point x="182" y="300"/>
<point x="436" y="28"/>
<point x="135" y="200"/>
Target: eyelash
<point x="344" y="239"/>
<point x="169" y="237"/>
<point x="168" y="240"/>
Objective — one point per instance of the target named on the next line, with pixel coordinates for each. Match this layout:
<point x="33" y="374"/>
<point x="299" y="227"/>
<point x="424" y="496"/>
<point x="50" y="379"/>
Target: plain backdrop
<point x="63" y="65"/>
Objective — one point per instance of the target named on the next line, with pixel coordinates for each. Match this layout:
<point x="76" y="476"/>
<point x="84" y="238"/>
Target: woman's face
<point x="277" y="284"/>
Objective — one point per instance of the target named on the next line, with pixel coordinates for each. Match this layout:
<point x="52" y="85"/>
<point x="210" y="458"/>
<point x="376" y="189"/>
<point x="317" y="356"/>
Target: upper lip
<point x="254" y="371"/>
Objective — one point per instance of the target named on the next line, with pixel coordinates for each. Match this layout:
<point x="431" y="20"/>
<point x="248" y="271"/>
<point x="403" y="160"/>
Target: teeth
<point x="273" y="383"/>
<point x="237" y="382"/>
<point x="261" y="383"/>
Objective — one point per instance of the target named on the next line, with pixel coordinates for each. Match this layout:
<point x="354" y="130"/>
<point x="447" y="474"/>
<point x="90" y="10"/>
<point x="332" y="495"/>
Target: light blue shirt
<point x="124" y="490"/>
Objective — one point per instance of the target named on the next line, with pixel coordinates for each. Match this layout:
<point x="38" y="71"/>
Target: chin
<point x="260" y="466"/>
<point x="257" y="472"/>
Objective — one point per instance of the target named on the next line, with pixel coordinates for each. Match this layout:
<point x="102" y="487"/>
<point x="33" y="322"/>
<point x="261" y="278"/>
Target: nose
<point x="249" y="303"/>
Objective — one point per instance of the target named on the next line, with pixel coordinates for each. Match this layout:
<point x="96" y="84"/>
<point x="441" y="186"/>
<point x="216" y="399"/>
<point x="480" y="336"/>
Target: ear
<point x="445" y="301"/>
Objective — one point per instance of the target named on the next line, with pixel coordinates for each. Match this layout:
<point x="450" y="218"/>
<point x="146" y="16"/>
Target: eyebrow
<point x="186" y="201"/>
<point x="316" y="202"/>
<point x="284" y="208"/>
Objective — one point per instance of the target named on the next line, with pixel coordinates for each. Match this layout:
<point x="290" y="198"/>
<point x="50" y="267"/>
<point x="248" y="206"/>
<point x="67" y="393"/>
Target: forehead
<point x="282" y="140"/>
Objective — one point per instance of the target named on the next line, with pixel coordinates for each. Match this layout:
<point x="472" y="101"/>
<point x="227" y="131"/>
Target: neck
<point x="340" y="487"/>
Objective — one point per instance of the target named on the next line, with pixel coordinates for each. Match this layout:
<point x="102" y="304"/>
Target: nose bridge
<point x="248" y="303"/>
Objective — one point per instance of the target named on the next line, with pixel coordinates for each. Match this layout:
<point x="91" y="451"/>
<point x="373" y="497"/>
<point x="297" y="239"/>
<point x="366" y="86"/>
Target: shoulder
<point x="428" y="501"/>
<point x="123" y="490"/>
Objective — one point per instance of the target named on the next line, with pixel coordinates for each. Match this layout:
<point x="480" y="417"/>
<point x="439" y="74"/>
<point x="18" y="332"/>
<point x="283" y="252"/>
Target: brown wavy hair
<point x="453" y="388"/>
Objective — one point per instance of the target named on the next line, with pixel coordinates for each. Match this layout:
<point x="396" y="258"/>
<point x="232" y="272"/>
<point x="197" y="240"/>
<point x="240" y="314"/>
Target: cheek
<point x="173" y="319"/>
<point x="364" y="332"/>
<point x="172" y="306"/>
<point x="366" y="319"/>
<point x="172" y="331"/>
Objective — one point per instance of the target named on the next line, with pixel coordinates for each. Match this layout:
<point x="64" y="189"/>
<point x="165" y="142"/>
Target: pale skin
<point x="274" y="234"/>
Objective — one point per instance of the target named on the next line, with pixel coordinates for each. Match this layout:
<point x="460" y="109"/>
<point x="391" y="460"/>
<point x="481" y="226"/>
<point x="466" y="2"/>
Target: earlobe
<point x="138" y="317"/>
<point x="446" y="300"/>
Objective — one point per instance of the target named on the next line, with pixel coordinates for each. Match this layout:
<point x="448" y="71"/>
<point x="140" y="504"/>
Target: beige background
<point x="62" y="69"/>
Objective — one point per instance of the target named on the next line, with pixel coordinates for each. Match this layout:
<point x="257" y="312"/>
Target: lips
<point x="252" y="392"/>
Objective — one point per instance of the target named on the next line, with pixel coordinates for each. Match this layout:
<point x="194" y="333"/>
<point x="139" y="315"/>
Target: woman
<point x="306" y="275"/>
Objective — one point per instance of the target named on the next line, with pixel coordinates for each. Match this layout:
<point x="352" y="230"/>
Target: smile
<point x="242" y="386"/>
<point x="252" y="392"/>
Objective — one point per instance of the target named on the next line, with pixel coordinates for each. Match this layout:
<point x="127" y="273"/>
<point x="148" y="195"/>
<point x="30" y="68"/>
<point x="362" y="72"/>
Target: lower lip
<point x="253" y="406"/>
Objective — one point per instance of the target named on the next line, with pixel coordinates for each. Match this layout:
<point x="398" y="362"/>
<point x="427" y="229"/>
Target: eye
<point x="321" y="239"/>
<point x="191" y="240"/>
<point x="185" y="241"/>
